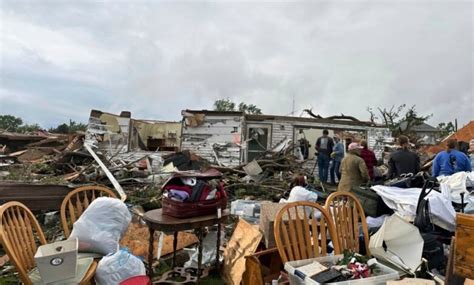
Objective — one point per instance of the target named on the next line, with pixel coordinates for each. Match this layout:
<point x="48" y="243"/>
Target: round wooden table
<point x="157" y="221"/>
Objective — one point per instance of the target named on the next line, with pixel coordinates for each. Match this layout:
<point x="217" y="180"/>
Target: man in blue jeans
<point x="324" y="147"/>
<point x="337" y="155"/>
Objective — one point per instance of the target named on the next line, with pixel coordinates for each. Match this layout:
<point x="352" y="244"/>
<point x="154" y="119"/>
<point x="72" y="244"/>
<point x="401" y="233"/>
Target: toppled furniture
<point x="299" y="234"/>
<point x="262" y="267"/>
<point x="347" y="212"/>
<point x="157" y="221"/>
<point x="464" y="246"/>
<point x="35" y="196"/>
<point x="20" y="235"/>
<point x="77" y="201"/>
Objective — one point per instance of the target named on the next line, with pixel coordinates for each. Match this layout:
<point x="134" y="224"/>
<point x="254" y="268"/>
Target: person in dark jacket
<point x="369" y="157"/>
<point x="450" y="161"/>
<point x="403" y="161"/>
<point x="324" y="147"/>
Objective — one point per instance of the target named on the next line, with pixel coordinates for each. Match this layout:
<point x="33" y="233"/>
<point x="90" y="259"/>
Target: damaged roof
<point x="342" y="120"/>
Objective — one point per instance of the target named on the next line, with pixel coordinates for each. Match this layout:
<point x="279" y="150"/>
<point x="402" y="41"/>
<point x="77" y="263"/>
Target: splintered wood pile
<point x="269" y="178"/>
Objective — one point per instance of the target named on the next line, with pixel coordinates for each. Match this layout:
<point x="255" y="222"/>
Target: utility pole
<point x="293" y="106"/>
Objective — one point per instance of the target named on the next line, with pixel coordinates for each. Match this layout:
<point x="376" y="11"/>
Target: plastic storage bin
<point x="385" y="274"/>
<point x="57" y="261"/>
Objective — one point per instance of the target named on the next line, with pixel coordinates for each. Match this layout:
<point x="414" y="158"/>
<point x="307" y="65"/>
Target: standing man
<point x="324" y="147"/>
<point x="337" y="155"/>
<point x="403" y="160"/>
<point x="353" y="169"/>
<point x="369" y="158"/>
<point x="450" y="161"/>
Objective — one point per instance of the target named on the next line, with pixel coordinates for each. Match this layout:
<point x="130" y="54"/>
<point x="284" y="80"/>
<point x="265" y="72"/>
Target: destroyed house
<point x="232" y="138"/>
<point x="120" y="135"/>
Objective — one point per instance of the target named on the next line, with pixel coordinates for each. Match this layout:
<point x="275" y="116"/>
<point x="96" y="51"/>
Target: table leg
<point x="200" y="233"/>
<point x="175" y="245"/>
<point x="150" y="253"/>
<point x="218" y="244"/>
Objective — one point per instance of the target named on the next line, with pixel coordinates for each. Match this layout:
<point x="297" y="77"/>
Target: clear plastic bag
<point x="102" y="226"/>
<point x="118" y="267"/>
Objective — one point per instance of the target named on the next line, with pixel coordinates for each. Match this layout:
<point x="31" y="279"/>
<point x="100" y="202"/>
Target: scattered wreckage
<point x="258" y="159"/>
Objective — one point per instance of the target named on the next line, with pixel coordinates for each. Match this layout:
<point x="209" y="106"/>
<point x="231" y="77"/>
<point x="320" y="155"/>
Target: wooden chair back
<point x="20" y="235"/>
<point x="302" y="233"/>
<point x="77" y="201"/>
<point x="347" y="212"/>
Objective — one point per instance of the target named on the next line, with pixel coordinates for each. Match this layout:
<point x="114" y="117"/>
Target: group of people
<point x="357" y="165"/>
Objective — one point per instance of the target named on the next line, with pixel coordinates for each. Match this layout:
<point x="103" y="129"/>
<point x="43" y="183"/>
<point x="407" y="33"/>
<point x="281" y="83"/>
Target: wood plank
<point x="244" y="242"/>
<point x="464" y="246"/>
<point x="35" y="196"/>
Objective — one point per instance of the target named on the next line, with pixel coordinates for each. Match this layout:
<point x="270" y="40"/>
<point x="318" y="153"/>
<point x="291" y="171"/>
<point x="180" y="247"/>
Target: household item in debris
<point x="248" y="210"/>
<point x="347" y="213"/>
<point x="370" y="201"/>
<point x="57" y="261"/>
<point x="262" y="267"/>
<point x="403" y="181"/>
<point x="300" y="234"/>
<point x="423" y="213"/>
<point x="156" y="220"/>
<point x="102" y="225"/>
<point x="118" y="267"/>
<point x="433" y="252"/>
<point x="137" y="280"/>
<point x="197" y="205"/>
<point x="13" y="216"/>
<point x="464" y="246"/>
<point x="243" y="242"/>
<point x="268" y="212"/>
<point x="380" y="277"/>
<point x="399" y="243"/>
<point x="77" y="201"/>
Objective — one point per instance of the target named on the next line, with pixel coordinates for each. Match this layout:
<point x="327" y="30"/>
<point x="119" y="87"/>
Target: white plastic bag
<point x="118" y="267"/>
<point x="102" y="226"/>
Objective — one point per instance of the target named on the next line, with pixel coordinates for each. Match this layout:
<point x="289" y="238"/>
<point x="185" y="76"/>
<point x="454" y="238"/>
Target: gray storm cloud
<point x="156" y="58"/>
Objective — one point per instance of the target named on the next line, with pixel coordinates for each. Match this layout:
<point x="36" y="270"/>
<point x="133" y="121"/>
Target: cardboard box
<point x="57" y="261"/>
<point x="268" y="212"/>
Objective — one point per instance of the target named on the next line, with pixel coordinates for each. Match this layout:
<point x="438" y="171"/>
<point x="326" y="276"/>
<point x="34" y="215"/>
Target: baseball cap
<point x="354" y="145"/>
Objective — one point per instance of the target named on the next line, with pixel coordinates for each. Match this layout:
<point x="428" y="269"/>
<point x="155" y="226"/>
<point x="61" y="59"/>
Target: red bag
<point x="203" y="207"/>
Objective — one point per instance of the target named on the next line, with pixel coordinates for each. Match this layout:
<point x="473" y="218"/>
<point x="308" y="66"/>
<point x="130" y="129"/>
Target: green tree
<point x="445" y="129"/>
<point x="249" y="109"/>
<point x="398" y="119"/>
<point x="70" y="128"/>
<point x="10" y="123"/>
<point x="224" y="105"/>
<point x="26" y="128"/>
<point x="228" y="105"/>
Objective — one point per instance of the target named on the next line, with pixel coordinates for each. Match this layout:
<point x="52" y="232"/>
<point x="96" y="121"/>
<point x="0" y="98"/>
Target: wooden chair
<point x="21" y="235"/>
<point x="300" y="235"/>
<point x="347" y="212"/>
<point x="77" y="201"/>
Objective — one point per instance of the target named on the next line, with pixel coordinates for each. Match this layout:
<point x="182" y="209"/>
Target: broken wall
<point x="215" y="137"/>
<point x="156" y="135"/>
<point x="109" y="132"/>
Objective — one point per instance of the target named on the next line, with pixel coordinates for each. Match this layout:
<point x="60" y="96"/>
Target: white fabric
<point x="454" y="184"/>
<point x="299" y="193"/>
<point x="404" y="201"/>
<point x="375" y="222"/>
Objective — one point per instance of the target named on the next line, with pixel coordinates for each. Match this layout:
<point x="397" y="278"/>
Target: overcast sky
<point x="59" y="59"/>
